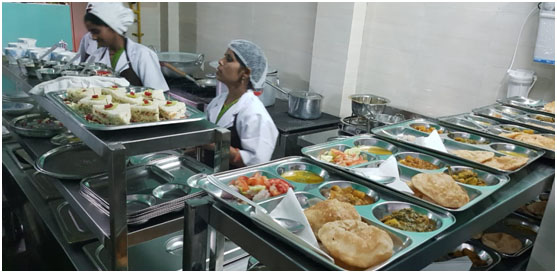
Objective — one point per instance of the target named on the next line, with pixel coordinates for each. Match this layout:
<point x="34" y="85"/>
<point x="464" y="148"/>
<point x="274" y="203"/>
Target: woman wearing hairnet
<point x="108" y="23"/>
<point x="253" y="133"/>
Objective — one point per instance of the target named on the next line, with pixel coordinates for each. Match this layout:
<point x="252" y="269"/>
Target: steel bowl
<point x="368" y="105"/>
<point x="16" y="108"/>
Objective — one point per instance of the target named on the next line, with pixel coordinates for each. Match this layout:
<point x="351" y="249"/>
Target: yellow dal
<point x="303" y="177"/>
<point x="512" y="153"/>
<point x="376" y="150"/>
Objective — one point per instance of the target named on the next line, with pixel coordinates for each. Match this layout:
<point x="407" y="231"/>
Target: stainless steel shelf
<point x="114" y="148"/>
<point x="22" y="178"/>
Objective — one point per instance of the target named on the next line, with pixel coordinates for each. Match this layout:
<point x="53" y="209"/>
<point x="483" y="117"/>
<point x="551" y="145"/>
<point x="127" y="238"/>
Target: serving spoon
<point x="289" y="224"/>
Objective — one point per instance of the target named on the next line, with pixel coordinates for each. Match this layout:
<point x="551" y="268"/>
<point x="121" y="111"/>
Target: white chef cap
<point x="115" y="15"/>
<point x="254" y="58"/>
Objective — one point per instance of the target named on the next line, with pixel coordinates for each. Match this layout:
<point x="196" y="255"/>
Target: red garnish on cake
<point x="115" y="86"/>
<point x="148" y="94"/>
<point x="106" y="106"/>
<point x="89" y="117"/>
<point x="95" y="96"/>
<point x="132" y="93"/>
<point x="145" y="102"/>
<point x="168" y="102"/>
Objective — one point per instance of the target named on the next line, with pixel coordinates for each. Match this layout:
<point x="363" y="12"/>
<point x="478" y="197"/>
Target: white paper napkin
<point x="433" y="141"/>
<point x="457" y="264"/>
<point x="388" y="168"/>
<point x="290" y="208"/>
<point x="65" y="82"/>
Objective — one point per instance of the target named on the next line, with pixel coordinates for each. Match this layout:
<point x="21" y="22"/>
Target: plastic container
<point x="520" y="82"/>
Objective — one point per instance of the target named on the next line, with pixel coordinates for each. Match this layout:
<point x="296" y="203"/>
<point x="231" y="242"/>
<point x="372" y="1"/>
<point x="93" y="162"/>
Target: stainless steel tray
<point x="44" y="186"/>
<point x="484" y="253"/>
<point x="16" y="125"/>
<point x="73" y="161"/>
<point x="404" y="241"/>
<point x="463" y="122"/>
<point x="475" y="193"/>
<point x="506" y="114"/>
<point x="57" y="97"/>
<point x="162" y="188"/>
<point x="73" y="229"/>
<point x="16" y="108"/>
<point x="526" y="104"/>
<point x="398" y="133"/>
<point x="140" y="181"/>
<point x="146" y="159"/>
<point x="520" y="228"/>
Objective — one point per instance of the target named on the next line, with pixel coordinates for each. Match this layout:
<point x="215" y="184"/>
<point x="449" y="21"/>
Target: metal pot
<point x="368" y="105"/>
<point x="186" y="62"/>
<point x="302" y="104"/>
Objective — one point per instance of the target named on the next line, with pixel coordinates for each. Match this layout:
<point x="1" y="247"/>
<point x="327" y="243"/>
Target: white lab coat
<point x="256" y="129"/>
<point x="144" y="61"/>
<point x="87" y="46"/>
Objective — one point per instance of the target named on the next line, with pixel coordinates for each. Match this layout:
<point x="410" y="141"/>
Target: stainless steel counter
<point x="114" y="148"/>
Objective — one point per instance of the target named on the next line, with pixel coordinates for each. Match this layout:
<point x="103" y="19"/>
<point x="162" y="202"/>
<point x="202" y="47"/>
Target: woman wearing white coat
<point x="253" y="133"/>
<point x="108" y="23"/>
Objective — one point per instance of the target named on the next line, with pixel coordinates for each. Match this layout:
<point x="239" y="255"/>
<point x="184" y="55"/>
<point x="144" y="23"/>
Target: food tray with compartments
<point x="492" y="129"/>
<point x="475" y="193"/>
<point x="151" y="189"/>
<point x="405" y="133"/>
<point x="526" y="104"/>
<point x="506" y="114"/>
<point x="57" y="97"/>
<point x="309" y="194"/>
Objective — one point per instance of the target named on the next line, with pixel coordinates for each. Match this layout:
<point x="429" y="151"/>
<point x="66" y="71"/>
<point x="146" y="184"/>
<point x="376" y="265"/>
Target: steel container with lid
<point x="304" y="105"/>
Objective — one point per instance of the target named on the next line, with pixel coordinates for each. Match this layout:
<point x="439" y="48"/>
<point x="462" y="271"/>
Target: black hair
<point x="243" y="65"/>
<point x="89" y="17"/>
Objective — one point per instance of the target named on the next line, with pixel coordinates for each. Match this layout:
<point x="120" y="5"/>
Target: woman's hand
<point x="236" y="158"/>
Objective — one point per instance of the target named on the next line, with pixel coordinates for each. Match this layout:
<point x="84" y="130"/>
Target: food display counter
<point x="206" y="214"/>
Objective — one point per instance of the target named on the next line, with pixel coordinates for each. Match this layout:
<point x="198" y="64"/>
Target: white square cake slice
<point x="85" y="105"/>
<point x="153" y="94"/>
<point x="172" y="110"/>
<point x="112" y="114"/>
<point x="113" y="90"/>
<point x="131" y="98"/>
<point x="145" y="112"/>
<point x="77" y="93"/>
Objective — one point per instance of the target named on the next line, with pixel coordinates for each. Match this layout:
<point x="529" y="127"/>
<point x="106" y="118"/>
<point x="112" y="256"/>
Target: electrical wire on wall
<point x="520" y="34"/>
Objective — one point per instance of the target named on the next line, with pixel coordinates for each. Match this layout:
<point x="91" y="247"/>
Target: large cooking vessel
<point x="186" y="62"/>
<point x="368" y="105"/>
<point x="302" y="104"/>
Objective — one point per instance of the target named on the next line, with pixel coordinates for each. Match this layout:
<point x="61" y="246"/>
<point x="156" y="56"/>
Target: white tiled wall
<point x="150" y="24"/>
<point x="447" y="58"/>
<point x="284" y="31"/>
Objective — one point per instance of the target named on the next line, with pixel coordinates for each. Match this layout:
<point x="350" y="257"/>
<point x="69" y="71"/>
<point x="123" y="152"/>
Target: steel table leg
<point x="118" y="243"/>
<point x="196" y="215"/>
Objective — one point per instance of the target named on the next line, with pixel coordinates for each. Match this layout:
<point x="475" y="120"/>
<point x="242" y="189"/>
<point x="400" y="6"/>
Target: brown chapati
<point x="441" y="189"/>
<point x="477" y="156"/>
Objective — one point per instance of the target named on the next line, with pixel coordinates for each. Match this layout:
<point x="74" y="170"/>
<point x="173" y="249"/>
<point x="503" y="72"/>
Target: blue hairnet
<point x="254" y="58"/>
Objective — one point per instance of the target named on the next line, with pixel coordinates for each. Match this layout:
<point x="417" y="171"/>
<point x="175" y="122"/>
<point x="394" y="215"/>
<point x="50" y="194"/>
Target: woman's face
<point x="230" y="70"/>
<point x="102" y="34"/>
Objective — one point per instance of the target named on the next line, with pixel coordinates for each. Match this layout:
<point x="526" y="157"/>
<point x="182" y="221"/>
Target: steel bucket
<point x="368" y="105"/>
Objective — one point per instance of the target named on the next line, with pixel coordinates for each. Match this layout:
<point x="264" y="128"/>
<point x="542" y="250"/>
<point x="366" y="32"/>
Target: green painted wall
<point x="46" y="23"/>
